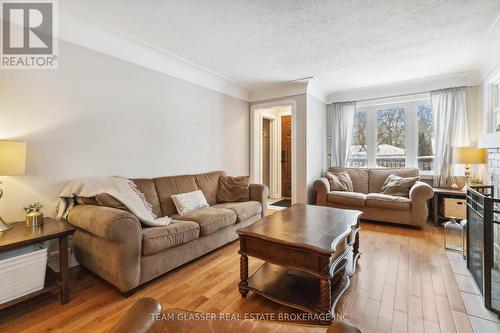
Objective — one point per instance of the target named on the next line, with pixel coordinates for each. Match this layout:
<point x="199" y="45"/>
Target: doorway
<point x="272" y="138"/>
<point x="286" y="156"/>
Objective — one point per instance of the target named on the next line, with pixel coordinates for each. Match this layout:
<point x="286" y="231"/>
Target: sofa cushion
<point x="233" y="189"/>
<point x="340" y="181"/>
<point x="243" y="210"/>
<point x="378" y="200"/>
<point x="209" y="219"/>
<point x="189" y="202"/>
<point x="208" y="183"/>
<point x="148" y="188"/>
<point x="106" y="200"/>
<point x="347" y="198"/>
<point x="378" y="176"/>
<point x="400" y="186"/>
<point x="156" y="239"/>
<point x="166" y="186"/>
<point x="359" y="177"/>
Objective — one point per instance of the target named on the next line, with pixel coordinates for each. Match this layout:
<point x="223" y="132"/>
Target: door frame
<point x="257" y="113"/>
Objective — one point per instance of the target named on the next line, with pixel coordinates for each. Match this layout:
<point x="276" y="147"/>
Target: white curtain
<point x="341" y="118"/>
<point x="449" y="107"/>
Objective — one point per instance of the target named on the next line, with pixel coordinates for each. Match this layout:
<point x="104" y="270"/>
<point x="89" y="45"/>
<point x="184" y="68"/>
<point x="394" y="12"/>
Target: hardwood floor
<point x="404" y="283"/>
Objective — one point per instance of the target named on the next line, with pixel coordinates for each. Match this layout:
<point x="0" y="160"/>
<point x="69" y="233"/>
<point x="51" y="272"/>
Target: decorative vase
<point x="34" y="219"/>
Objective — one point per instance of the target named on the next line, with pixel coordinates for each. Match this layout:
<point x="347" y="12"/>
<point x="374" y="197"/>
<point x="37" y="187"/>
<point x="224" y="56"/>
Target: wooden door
<point x="286" y="156"/>
<point x="266" y="151"/>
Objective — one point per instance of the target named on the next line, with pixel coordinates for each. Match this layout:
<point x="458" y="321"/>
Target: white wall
<point x="97" y="115"/>
<point x="316" y="143"/>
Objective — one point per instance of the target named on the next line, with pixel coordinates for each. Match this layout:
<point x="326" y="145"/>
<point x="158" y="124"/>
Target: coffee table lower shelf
<point x="294" y="288"/>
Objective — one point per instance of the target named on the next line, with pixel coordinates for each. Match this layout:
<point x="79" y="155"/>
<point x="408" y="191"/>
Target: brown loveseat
<point x="112" y="243"/>
<point x="376" y="206"/>
<point x="147" y="316"/>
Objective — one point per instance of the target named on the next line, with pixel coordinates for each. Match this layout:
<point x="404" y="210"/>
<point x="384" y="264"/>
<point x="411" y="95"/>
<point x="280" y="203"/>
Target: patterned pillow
<point x="340" y="181"/>
<point x="399" y="186"/>
<point x="190" y="201"/>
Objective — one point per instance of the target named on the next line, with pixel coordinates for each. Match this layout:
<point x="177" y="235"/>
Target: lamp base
<point x="4" y="226"/>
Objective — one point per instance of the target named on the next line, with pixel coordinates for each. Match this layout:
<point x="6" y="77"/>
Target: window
<point x="496" y="106"/>
<point x="393" y="134"/>
<point x="391" y="124"/>
<point x="425" y="137"/>
<point x="357" y="153"/>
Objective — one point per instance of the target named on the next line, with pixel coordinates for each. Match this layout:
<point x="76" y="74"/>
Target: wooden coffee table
<point x="310" y="253"/>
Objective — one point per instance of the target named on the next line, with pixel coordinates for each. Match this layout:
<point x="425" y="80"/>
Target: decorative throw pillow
<point x="190" y="201"/>
<point x="233" y="189"/>
<point x="340" y="181"/>
<point x="399" y="186"/>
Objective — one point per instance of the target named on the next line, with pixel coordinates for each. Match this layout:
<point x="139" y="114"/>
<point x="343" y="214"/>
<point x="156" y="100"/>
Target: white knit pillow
<point x="190" y="201"/>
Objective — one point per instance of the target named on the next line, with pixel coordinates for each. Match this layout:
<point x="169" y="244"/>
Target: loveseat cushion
<point x="378" y="176"/>
<point x="167" y="186"/>
<point x="208" y="183"/>
<point x="347" y="198"/>
<point x="243" y="210"/>
<point x="379" y="200"/>
<point x="156" y="239"/>
<point x="210" y="219"/>
<point x="359" y="177"/>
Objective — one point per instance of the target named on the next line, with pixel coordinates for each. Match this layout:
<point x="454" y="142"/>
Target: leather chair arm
<point x="141" y="318"/>
<point x="342" y="327"/>
<point x="105" y="222"/>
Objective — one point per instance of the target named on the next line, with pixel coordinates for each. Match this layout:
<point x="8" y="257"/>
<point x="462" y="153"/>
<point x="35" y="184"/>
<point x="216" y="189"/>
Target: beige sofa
<point x="367" y="183"/>
<point x="112" y="243"/>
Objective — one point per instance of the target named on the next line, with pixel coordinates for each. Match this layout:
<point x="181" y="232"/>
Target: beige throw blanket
<point x="122" y="189"/>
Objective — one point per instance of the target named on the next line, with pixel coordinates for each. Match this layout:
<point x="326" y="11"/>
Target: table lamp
<point x="12" y="162"/>
<point x="468" y="156"/>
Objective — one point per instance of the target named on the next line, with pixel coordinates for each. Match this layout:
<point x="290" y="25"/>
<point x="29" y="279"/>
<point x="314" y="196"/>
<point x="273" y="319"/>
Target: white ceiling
<point x="344" y="44"/>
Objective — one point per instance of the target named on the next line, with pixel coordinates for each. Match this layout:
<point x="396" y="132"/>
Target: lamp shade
<point x="12" y="158"/>
<point x="469" y="155"/>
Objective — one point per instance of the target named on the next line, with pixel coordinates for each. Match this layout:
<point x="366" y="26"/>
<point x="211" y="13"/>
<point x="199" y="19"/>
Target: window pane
<point x="391" y="123"/>
<point x="357" y="153"/>
<point x="425" y="137"/>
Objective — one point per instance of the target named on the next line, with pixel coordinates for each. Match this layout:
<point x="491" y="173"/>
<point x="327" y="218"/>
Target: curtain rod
<point x="403" y="95"/>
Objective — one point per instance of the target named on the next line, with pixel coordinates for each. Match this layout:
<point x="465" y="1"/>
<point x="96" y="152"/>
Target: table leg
<point x="325" y="301"/>
<point x="243" y="275"/>
<point x="435" y="209"/>
<point x="64" y="269"/>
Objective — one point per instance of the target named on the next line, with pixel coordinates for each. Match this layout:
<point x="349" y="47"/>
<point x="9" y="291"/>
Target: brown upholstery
<point x="243" y="210"/>
<point x="209" y="219"/>
<point x="112" y="243"/>
<point x="148" y="188"/>
<point x="233" y="189"/>
<point x="347" y="198"/>
<point x="379" y="200"/>
<point x="359" y="177"/>
<point x="106" y="200"/>
<point x="379" y="175"/>
<point x="377" y="207"/>
<point x="208" y="183"/>
<point x="167" y="186"/>
<point x="147" y="316"/>
<point x="156" y="239"/>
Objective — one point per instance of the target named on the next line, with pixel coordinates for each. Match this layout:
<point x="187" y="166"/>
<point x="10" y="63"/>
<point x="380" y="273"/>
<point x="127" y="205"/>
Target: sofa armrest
<point x="421" y="192"/>
<point x="321" y="187"/>
<point x="143" y="317"/>
<point x="105" y="222"/>
<point x="260" y="193"/>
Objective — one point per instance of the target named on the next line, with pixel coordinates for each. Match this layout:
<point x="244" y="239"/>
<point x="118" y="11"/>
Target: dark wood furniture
<point x="21" y="235"/>
<point x="436" y="200"/>
<point x="310" y="253"/>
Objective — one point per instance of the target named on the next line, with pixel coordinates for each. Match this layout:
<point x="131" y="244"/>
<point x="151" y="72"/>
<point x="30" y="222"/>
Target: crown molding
<point x="77" y="30"/>
<point x="405" y="87"/>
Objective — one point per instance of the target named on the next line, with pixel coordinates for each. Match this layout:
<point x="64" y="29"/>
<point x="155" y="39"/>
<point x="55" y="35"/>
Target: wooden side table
<point x="443" y="193"/>
<point x="21" y="235"/>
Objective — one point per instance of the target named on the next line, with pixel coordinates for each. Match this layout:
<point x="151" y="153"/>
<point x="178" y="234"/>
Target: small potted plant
<point x="34" y="217"/>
